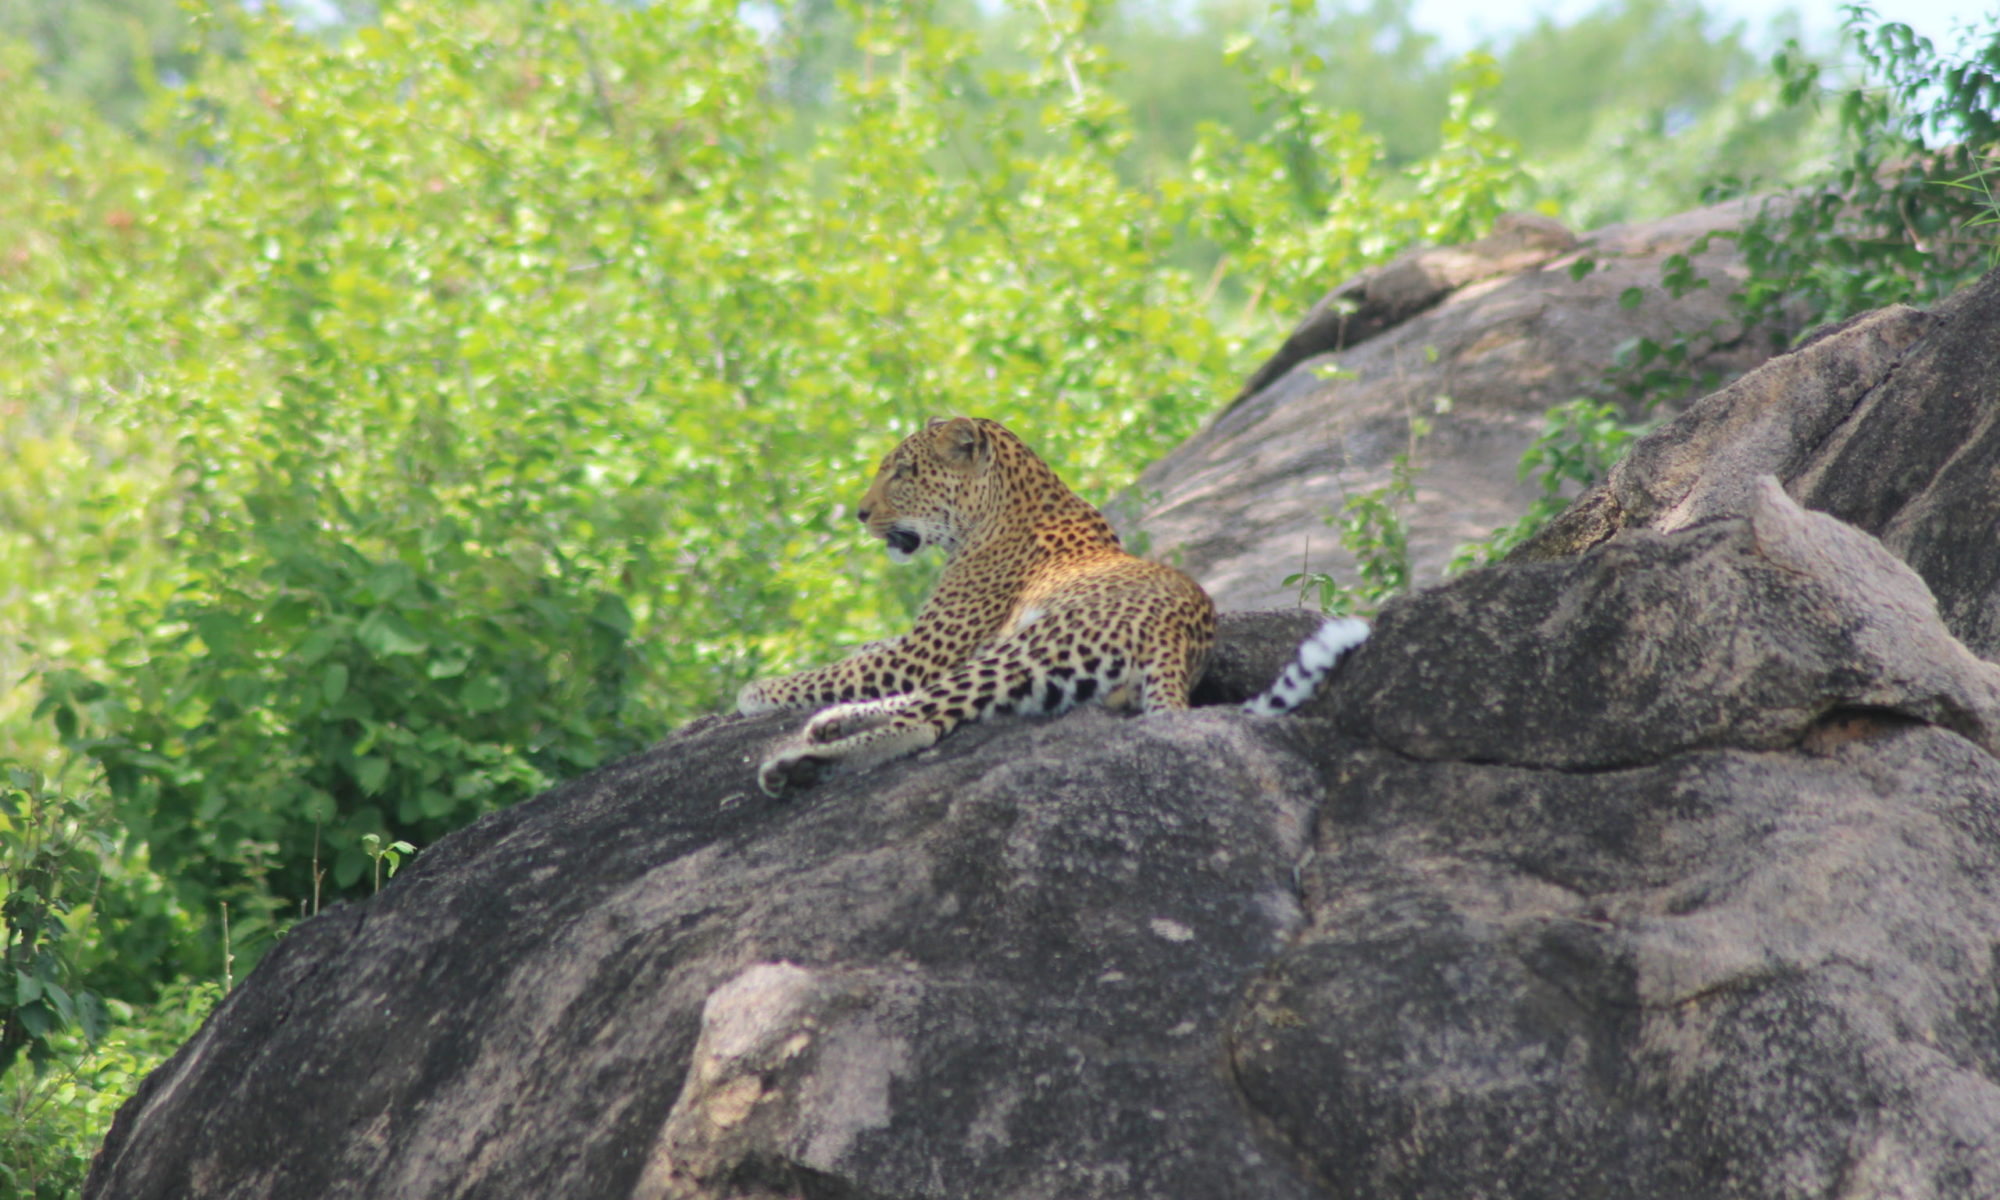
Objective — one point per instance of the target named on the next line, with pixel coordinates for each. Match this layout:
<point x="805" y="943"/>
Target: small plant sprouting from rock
<point x="378" y="853"/>
<point x="1374" y="531"/>
<point x="1580" y="440"/>
<point x="1980" y="184"/>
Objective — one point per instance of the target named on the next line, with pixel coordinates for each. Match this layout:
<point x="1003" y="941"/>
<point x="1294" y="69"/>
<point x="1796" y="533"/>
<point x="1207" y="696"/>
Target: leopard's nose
<point x="861" y="514"/>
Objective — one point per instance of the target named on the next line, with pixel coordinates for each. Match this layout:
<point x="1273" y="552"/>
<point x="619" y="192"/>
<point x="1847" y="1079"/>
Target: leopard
<point x="1039" y="609"/>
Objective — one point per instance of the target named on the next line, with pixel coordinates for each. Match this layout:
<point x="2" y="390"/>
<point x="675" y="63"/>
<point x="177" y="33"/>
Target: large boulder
<point x="1663" y="871"/>
<point x="1658" y="864"/>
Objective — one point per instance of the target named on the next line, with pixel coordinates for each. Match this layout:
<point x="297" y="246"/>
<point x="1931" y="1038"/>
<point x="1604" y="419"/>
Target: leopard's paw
<point x="793" y="769"/>
<point x="753" y="697"/>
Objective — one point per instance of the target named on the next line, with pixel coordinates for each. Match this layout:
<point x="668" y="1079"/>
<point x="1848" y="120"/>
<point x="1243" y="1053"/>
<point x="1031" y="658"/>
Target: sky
<point x="1461" y="23"/>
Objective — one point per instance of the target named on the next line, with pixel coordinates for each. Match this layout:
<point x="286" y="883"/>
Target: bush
<point x="48" y="870"/>
<point x="1898" y="214"/>
<point x="52" y="1121"/>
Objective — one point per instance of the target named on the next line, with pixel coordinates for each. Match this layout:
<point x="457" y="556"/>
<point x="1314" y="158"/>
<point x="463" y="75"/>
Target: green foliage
<point x="1979" y="185"/>
<point x="1641" y="163"/>
<point x="1896" y="219"/>
<point x="1885" y="224"/>
<point x="1302" y="203"/>
<point x="48" y="869"/>
<point x="108" y="53"/>
<point x="1624" y="113"/>
<point x="378" y="854"/>
<point x="1654" y="60"/>
<point x="323" y="686"/>
<point x="52" y="1121"/>
<point x="1632" y="110"/>
<point x="1376" y="64"/>
<point x="1579" y="442"/>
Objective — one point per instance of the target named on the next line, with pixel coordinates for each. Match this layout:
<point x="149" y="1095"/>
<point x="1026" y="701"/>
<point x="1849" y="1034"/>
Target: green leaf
<point x="385" y="633"/>
<point x="319" y="643"/>
<point x="91" y="1016"/>
<point x="484" y="693"/>
<point x="370" y="772"/>
<point x="447" y="664"/>
<point x="38" y="1019"/>
<point x="333" y="684"/>
<point x="611" y="613"/>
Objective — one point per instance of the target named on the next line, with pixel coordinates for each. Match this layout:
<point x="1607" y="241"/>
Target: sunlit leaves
<point x="1886" y="222"/>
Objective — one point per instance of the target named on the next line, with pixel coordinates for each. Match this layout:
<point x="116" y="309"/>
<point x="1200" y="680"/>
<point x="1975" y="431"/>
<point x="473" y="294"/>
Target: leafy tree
<point x="52" y="1122"/>
<point x="1655" y="57"/>
<point x="1371" y="60"/>
<point x="1632" y="111"/>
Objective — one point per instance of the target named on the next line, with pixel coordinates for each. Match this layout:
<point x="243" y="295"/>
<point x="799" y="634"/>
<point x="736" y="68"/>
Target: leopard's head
<point x="932" y="489"/>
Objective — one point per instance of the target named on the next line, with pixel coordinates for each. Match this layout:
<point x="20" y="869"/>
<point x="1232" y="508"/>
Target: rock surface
<point x="1889" y="422"/>
<point x="1378" y="300"/>
<point x="1502" y="328"/>
<point x="1661" y="863"/>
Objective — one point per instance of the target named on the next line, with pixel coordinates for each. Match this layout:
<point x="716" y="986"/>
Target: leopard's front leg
<point x="855" y="737"/>
<point x="876" y="670"/>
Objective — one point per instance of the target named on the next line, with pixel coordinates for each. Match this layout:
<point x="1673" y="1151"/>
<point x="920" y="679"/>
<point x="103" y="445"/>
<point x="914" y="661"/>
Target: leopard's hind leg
<point x="800" y="762"/>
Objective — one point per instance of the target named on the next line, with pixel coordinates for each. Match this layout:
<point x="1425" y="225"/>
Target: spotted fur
<point x="1039" y="609"/>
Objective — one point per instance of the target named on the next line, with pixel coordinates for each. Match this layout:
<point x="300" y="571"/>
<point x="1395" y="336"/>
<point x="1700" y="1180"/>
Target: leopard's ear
<point x="962" y="442"/>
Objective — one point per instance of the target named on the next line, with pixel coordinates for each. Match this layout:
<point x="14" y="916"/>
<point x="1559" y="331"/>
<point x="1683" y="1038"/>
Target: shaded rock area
<point x="1504" y="328"/>
<point x="1663" y="861"/>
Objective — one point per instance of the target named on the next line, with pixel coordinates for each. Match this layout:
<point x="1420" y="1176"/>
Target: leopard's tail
<point x="1317" y="658"/>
